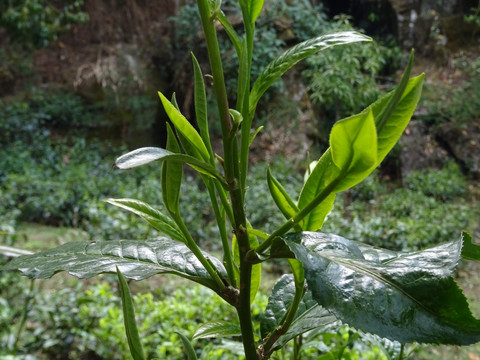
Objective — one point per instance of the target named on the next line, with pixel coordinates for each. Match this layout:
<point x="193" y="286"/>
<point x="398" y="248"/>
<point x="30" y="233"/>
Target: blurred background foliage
<point x="58" y="143"/>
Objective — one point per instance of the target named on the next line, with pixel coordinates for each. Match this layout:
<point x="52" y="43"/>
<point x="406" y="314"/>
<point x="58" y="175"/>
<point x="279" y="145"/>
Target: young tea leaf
<point x="289" y="58"/>
<point x="286" y="205"/>
<point x="390" y="298"/>
<point x="184" y="127"/>
<point x="470" y="251"/>
<point x="133" y="338"/>
<point x="187" y="345"/>
<point x="172" y="173"/>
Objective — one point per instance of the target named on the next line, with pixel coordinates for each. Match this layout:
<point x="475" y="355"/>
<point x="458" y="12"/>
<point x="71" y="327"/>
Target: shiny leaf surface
<point x="289" y="58"/>
<point x="136" y="259"/>
<point x="409" y="297"/>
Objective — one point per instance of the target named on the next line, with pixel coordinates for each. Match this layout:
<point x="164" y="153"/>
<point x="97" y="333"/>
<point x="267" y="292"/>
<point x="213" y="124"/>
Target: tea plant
<point x="406" y="297"/>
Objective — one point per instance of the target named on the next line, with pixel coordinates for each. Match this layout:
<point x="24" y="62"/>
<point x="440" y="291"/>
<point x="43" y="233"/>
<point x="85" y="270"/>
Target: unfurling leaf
<point x="187" y="345"/>
<point x="134" y="343"/>
<point x="407" y="297"/>
<point x="286" y="205"/>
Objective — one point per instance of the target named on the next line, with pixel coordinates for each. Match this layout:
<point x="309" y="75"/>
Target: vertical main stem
<point x="232" y="176"/>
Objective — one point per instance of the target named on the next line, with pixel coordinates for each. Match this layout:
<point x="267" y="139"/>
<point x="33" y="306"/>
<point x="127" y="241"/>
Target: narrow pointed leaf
<point x="288" y="59"/>
<point x="232" y="34"/>
<point x="187" y="345"/>
<point x="146" y="155"/>
<point x="411" y="297"/>
<point x="133" y="338"/>
<point x="184" y="127"/>
<point x="470" y="251"/>
<point x="172" y="173"/>
<point x="200" y="100"/>
<point x="154" y="217"/>
<point x="136" y="259"/>
<point x="217" y="329"/>
<point x="286" y="205"/>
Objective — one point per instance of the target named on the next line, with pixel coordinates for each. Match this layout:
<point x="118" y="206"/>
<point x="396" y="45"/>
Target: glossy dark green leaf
<point x="154" y="217"/>
<point x="410" y="297"/>
<point x="184" y="127"/>
<point x="309" y="315"/>
<point x="136" y="259"/>
<point x="187" y="345"/>
<point x="283" y="201"/>
<point x="133" y="338"/>
<point x="172" y="174"/>
<point x="288" y="59"/>
<point x="470" y="251"/>
<point x="146" y="155"/>
<point x="217" y="329"/>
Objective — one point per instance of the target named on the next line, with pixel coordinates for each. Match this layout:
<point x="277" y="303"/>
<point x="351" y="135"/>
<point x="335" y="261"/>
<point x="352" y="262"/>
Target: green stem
<point x="190" y="242"/>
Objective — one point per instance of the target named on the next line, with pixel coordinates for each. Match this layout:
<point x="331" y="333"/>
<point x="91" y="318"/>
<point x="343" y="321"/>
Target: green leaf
<point x="154" y="217"/>
<point x="256" y="268"/>
<point x="232" y="34"/>
<point x="289" y="58"/>
<point x="134" y="344"/>
<point x="217" y="329"/>
<point x="184" y="127"/>
<point x="286" y="205"/>
<point x="309" y="315"/>
<point x="255" y="8"/>
<point x="200" y="100"/>
<point x="172" y="173"/>
<point x="136" y="259"/>
<point x="146" y="155"/>
<point x="470" y="251"/>
<point x="323" y="173"/>
<point x="353" y="144"/>
<point x="13" y="252"/>
<point x="411" y="297"/>
<point x="189" y="350"/>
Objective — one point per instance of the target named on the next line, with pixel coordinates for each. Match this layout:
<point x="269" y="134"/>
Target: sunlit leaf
<point x="184" y="127"/>
<point x="411" y="297"/>
<point x="289" y="58"/>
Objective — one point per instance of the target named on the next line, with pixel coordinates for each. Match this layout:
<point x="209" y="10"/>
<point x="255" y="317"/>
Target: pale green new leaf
<point x="255" y="8"/>
<point x="187" y="345"/>
<point x="183" y="126"/>
<point x="353" y="144"/>
<point x="321" y="175"/>
<point x="409" y="297"/>
<point x="286" y="205"/>
<point x="232" y="34"/>
<point x="136" y="259"/>
<point x="151" y="215"/>
<point x="133" y="338"/>
<point x="289" y="58"/>
<point x="217" y="329"/>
